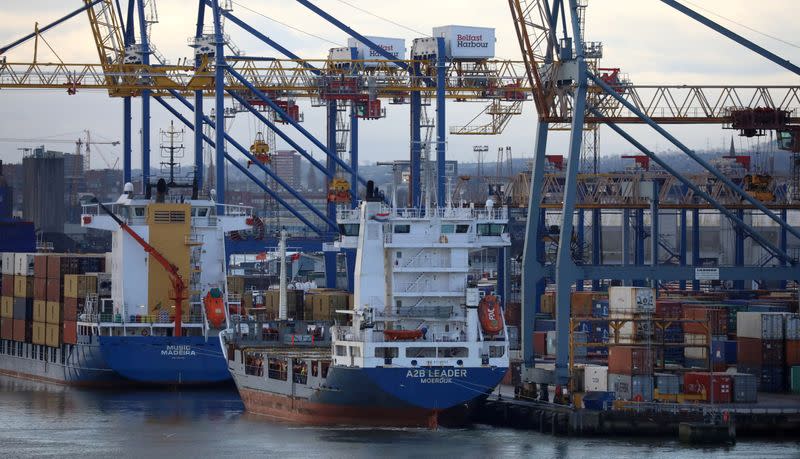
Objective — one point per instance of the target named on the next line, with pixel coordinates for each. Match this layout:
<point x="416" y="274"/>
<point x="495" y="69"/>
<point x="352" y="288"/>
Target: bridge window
<point x="447" y="352"/>
<point x="462" y="229"/>
<point x="277" y="369"/>
<point x="341" y="351"/>
<point x="420" y="352"/>
<point x="299" y="371"/>
<point x="355" y="351"/>
<point x="497" y="351"/>
<point x="402" y="229"/>
<point x="491" y="229"/>
<point x="448" y="229"/>
<point x="386" y="352"/>
<point x="254" y="364"/>
<point x="349" y="229"/>
<point x="138" y="211"/>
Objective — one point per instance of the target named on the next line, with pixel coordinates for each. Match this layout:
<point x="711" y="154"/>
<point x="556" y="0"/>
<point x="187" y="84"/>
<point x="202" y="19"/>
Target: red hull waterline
<point x="299" y="411"/>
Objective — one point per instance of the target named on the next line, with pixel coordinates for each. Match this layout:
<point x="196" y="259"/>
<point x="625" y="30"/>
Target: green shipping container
<point x="796" y="380"/>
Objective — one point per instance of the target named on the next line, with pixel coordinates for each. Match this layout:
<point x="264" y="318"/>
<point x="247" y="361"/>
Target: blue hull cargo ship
<point x="420" y="341"/>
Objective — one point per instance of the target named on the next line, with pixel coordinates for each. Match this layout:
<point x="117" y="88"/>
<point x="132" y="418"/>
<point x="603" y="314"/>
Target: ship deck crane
<point x="178" y="285"/>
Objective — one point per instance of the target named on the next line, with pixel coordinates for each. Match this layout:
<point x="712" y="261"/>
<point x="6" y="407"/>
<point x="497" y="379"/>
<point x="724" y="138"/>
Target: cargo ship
<point x="419" y="340"/>
<point x="169" y="287"/>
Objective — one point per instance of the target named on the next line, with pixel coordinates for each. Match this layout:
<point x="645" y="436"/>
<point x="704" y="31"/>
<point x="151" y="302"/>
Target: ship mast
<point x="282" y="285"/>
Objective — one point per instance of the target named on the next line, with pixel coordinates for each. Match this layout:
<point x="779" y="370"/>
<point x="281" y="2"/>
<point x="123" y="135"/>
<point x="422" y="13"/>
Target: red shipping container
<point x="513" y="314"/>
<point x="759" y="353"/>
<point x="696" y="383"/>
<point x="8" y="285"/>
<point x="40" y="289"/>
<point x="793" y="353"/>
<point x="54" y="290"/>
<point x="581" y="303"/>
<point x="717" y="319"/>
<point x="22" y="330"/>
<point x="540" y="342"/>
<point x="40" y="266"/>
<point x="669" y="309"/>
<point x="7" y="328"/>
<point x="70" y="310"/>
<point x="630" y="360"/>
<point x="70" y="332"/>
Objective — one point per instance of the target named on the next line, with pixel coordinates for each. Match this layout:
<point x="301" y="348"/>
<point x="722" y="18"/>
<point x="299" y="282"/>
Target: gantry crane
<point x="571" y="91"/>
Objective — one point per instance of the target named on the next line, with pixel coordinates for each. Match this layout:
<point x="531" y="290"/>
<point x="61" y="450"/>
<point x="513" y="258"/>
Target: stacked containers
<point x="745" y="388"/>
<point x="599" y="330"/>
<point x="792" y="335"/>
<point x="23" y="297"/>
<point x="668" y="383"/>
<point x="7" y="297"/>
<point x="322" y="304"/>
<point x="673" y="334"/>
<point x="631" y="303"/>
<point x="77" y="287"/>
<point x="761" y="348"/>
<point x="716" y="387"/>
<point x="715" y="318"/>
<point x="39" y="299"/>
<point x="631" y="372"/>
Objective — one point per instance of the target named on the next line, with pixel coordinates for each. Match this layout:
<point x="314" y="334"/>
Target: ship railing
<point x="454" y="213"/>
<point x="148" y="319"/>
<point x="436" y="312"/>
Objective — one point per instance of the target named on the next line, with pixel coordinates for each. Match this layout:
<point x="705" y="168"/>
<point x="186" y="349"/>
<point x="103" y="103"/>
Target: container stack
<point x="7" y="298"/>
<point x="40" y="304"/>
<point x="761" y="348"/>
<point x="712" y="387"/>
<point x="23" y="297"/>
<point x="630" y="372"/>
<point x="671" y="335"/>
<point x="696" y="333"/>
<point x="322" y="304"/>
<point x="637" y="305"/>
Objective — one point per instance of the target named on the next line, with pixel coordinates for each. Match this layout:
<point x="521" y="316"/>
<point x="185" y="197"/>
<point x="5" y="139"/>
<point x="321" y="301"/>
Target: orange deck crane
<point x="178" y="285"/>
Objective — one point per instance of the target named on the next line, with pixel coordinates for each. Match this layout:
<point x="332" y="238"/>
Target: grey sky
<point x="648" y="40"/>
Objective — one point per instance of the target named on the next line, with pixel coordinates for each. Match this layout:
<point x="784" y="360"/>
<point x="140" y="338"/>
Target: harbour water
<point x="43" y="420"/>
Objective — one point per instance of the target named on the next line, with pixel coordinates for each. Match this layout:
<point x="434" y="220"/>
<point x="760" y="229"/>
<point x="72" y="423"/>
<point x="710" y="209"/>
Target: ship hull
<point x="166" y="360"/>
<point x="386" y="397"/>
<point x="83" y="364"/>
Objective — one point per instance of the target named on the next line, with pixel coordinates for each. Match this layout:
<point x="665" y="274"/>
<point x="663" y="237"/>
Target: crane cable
<point x="287" y="25"/>
<point x="743" y="25"/>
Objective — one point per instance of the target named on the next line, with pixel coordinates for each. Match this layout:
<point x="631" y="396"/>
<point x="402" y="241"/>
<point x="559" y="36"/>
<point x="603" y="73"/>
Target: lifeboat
<point x="402" y="335"/>
<point x="215" y="308"/>
<point x="489" y="313"/>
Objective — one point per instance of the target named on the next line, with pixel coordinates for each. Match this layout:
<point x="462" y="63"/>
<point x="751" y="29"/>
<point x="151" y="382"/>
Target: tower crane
<point x="82" y="146"/>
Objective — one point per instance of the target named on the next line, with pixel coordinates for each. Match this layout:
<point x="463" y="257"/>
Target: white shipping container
<point x="595" y="378"/>
<point x="624" y="301"/>
<point x="340" y="54"/>
<point x="696" y="353"/>
<point x="394" y="46"/>
<point x="8" y="263"/>
<point x="551" y="342"/>
<point x="23" y="264"/>
<point x="760" y="325"/>
<point x="464" y="42"/>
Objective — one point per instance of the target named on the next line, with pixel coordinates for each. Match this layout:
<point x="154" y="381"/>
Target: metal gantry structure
<point x="130" y="68"/>
<point x="572" y="92"/>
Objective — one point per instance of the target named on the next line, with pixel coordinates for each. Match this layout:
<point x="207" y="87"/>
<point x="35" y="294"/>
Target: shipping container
<point x="700" y="383"/>
<point x="631" y="387"/>
<point x="23" y="264"/>
<point x="39" y="332"/>
<point x="547" y="303"/>
<point x="669" y="309"/>
<point x="40" y="267"/>
<point x="394" y="46"/>
<point x="53" y="335"/>
<point x="23" y="287"/>
<point x="7" y="266"/>
<point x="512" y="313"/>
<point x="468" y="43"/>
<point x="598" y="401"/>
<point x="745" y="388"/>
<point x="791" y="329"/>
<point x="79" y="285"/>
<point x="70" y="332"/>
<point x="760" y="353"/>
<point x="22" y="331"/>
<point x="544" y="325"/>
<point x="630" y="360"/>
<point x="540" y="342"/>
<point x="39" y="311"/>
<point x="795" y="380"/>
<point x="6" y="328"/>
<point x="770" y="378"/>
<point x="7" y="307"/>
<point x="39" y="289"/>
<point x="760" y="325"/>
<point x="623" y="301"/>
<point x="54" y="290"/>
<point x="595" y="378"/>
<point x="8" y="285"/>
<point x="792" y="352"/>
<point x="71" y="308"/>
<point x="54" y="309"/>
<point x="23" y="309"/>
<point x="713" y="317"/>
<point x="236" y="285"/>
<point x="600" y="308"/>
<point x="582" y="303"/>
<point x="668" y="383"/>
